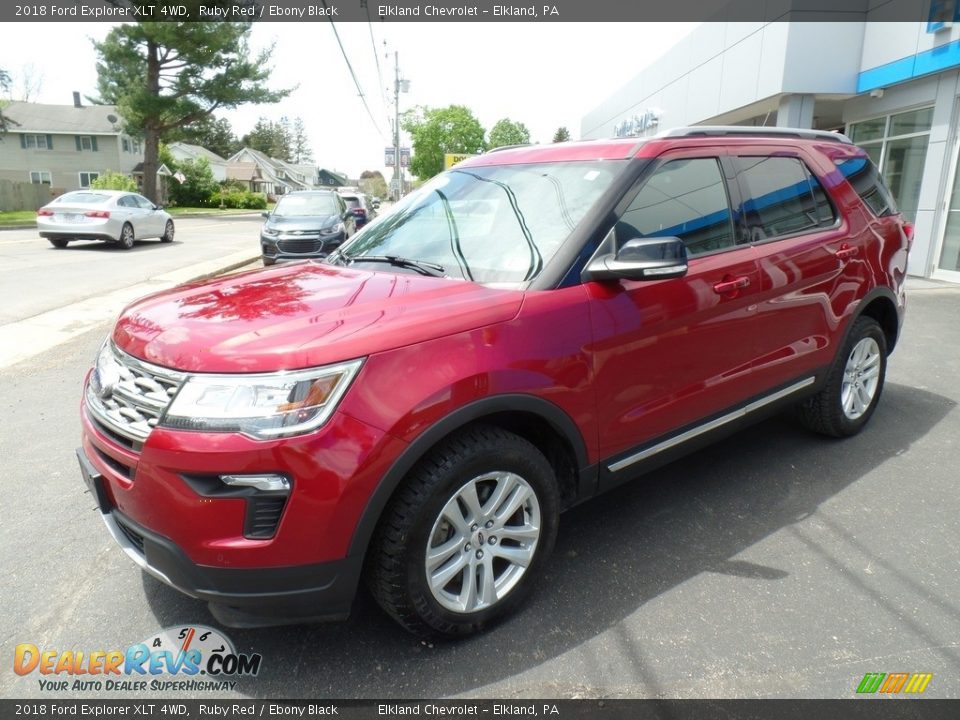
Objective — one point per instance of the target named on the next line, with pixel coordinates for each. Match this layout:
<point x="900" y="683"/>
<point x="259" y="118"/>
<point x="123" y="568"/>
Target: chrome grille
<point x="129" y="395"/>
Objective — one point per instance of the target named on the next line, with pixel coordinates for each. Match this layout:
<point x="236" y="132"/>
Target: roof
<point x="618" y="149"/>
<point x="196" y="151"/>
<point x="59" y="119"/>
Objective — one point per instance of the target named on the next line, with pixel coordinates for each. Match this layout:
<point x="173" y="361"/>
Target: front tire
<point x="168" y="231"/>
<point x="465" y="537"/>
<point x="126" y="237"/>
<point x="854" y="385"/>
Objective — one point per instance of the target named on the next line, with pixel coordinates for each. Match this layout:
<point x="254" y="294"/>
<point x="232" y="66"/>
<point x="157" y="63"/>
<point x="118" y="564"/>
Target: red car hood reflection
<point x="302" y="315"/>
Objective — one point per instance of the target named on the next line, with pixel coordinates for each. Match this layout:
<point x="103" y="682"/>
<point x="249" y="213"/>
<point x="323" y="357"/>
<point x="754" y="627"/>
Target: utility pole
<point x="398" y="86"/>
<point x="396" y="125"/>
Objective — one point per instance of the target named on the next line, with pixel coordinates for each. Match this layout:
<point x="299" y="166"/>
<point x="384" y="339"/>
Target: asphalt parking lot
<point x="776" y="564"/>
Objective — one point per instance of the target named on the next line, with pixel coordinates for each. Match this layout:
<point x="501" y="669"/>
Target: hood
<point x="302" y="315"/>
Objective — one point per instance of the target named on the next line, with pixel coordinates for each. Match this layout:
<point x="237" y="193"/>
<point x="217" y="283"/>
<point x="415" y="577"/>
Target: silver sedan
<point x="111" y="215"/>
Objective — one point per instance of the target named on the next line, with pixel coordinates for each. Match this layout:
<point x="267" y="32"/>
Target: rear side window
<point x="862" y="174"/>
<point x="685" y="199"/>
<point x="782" y="197"/>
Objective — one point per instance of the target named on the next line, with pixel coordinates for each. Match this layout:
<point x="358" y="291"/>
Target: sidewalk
<point x="27" y="338"/>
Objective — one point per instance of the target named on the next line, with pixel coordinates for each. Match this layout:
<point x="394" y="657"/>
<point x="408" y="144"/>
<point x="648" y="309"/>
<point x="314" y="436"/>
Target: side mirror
<point x="265" y="214"/>
<point x="656" y="258"/>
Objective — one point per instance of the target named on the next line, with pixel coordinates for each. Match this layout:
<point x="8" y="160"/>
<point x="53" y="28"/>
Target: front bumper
<point x="244" y="597"/>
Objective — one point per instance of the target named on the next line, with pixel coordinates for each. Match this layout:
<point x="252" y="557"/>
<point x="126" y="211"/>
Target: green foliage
<point x="5" y="122"/>
<point x="373" y="184"/>
<point x="243" y="199"/>
<point x="166" y="75"/>
<point x="214" y="134"/>
<point x="299" y="145"/>
<point x="199" y="187"/>
<point x="561" y="135"/>
<point x="111" y="180"/>
<point x="508" y="132"/>
<point x="437" y="131"/>
<point x="271" y="138"/>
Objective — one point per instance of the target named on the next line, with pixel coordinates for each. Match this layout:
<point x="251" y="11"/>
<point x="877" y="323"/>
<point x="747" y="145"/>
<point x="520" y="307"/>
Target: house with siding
<point x="277" y="177"/>
<point x="65" y="146"/>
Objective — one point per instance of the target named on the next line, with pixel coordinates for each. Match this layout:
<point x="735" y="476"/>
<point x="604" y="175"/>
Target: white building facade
<point x="893" y="87"/>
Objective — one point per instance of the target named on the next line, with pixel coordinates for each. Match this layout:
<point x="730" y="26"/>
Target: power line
<point x="356" y="82"/>
<point x="376" y="58"/>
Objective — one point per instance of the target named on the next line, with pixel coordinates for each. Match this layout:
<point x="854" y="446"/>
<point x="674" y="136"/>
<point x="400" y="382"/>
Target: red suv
<point x="533" y="327"/>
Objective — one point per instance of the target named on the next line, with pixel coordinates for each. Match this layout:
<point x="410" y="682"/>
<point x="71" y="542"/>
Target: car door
<point x="811" y="262"/>
<point x="152" y="219"/>
<point x="130" y="212"/>
<point x="670" y="353"/>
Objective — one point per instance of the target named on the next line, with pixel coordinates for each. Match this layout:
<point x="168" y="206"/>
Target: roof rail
<point x="508" y="147"/>
<point x="753" y="130"/>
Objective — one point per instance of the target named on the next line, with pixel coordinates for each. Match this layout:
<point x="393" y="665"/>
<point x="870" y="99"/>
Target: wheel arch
<point x="541" y="422"/>
<point x="881" y="305"/>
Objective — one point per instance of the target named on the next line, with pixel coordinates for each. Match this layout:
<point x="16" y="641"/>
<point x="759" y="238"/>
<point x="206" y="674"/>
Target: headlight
<point x="333" y="229"/>
<point x="270" y="232"/>
<point x="261" y="406"/>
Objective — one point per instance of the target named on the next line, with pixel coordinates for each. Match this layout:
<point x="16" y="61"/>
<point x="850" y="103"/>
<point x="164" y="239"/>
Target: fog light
<point x="265" y="483"/>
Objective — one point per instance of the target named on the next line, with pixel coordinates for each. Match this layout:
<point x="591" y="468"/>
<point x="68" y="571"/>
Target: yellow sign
<point x="451" y="159"/>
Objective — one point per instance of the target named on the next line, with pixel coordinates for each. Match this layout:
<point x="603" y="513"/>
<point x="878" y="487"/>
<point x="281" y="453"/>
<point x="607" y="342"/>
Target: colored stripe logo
<point x="894" y="683"/>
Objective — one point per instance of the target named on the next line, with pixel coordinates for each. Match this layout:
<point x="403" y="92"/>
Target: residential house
<point x="65" y="146"/>
<point x="277" y="177"/>
<point x="330" y="178"/>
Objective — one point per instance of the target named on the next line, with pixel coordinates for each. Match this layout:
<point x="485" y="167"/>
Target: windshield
<point x="497" y="225"/>
<point x="88" y="198"/>
<point x="305" y="206"/>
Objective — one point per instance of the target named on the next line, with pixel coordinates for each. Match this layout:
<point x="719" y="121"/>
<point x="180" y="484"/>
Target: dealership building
<point x="893" y="87"/>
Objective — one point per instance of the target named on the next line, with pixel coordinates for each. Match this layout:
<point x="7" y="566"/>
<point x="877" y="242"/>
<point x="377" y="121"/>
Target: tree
<point x="508" y="132"/>
<point x="111" y="180"/>
<point x="165" y="75"/>
<point x="214" y="134"/>
<point x="300" y="146"/>
<point x="5" y="122"/>
<point x="199" y="188"/>
<point x="373" y="183"/>
<point x="437" y="131"/>
<point x="271" y="138"/>
<point x="561" y="135"/>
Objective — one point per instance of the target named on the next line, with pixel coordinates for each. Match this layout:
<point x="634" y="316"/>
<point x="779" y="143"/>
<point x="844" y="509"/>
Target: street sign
<point x="451" y="159"/>
<point x="389" y="156"/>
<point x="404" y="157"/>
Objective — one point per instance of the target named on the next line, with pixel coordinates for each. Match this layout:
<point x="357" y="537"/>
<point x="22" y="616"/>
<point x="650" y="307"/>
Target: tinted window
<point x="684" y="199"/>
<point x="306" y="206"/>
<point x="82" y="197"/>
<point x="782" y="197"/>
<point x="862" y="174"/>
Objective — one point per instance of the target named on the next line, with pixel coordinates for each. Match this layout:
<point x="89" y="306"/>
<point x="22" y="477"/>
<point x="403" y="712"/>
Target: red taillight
<point x="908" y="231"/>
<point x="43" y="212"/>
<point x="97" y="214"/>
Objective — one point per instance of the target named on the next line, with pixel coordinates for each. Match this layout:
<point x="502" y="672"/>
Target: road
<point x="777" y="564"/>
<point x="52" y="295"/>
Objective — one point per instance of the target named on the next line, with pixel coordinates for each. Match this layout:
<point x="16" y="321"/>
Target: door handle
<point x="847" y="251"/>
<point x="729" y="286"/>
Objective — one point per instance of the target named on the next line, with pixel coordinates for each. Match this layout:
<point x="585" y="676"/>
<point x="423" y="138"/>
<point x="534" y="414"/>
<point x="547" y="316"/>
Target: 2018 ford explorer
<point x="528" y="329"/>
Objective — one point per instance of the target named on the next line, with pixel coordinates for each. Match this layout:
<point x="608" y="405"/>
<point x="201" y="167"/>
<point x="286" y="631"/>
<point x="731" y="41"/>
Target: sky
<point x="545" y="75"/>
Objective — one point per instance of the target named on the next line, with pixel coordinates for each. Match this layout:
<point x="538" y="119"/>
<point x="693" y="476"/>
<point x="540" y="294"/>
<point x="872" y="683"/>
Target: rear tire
<point x="466" y="535"/>
<point x="59" y="242"/>
<point x="126" y="237"/>
<point x="854" y="385"/>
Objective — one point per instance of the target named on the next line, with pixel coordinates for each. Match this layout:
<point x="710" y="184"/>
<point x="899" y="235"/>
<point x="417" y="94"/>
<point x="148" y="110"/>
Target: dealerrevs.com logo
<point x="188" y="658"/>
<point x="894" y="683"/>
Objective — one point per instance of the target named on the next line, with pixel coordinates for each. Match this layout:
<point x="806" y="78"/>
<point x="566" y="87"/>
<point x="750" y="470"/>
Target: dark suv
<point x="533" y="327"/>
<point x="305" y="224"/>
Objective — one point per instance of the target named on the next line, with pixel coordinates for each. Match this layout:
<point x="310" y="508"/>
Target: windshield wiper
<point x="426" y="268"/>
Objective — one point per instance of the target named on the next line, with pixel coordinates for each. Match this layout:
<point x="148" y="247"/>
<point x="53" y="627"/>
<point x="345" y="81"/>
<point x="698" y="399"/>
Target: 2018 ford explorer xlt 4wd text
<point x="528" y="329"/>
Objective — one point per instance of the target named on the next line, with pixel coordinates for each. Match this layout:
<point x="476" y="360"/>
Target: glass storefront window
<point x="911" y="122"/>
<point x="897" y="144"/>
<point x="867" y="130"/>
